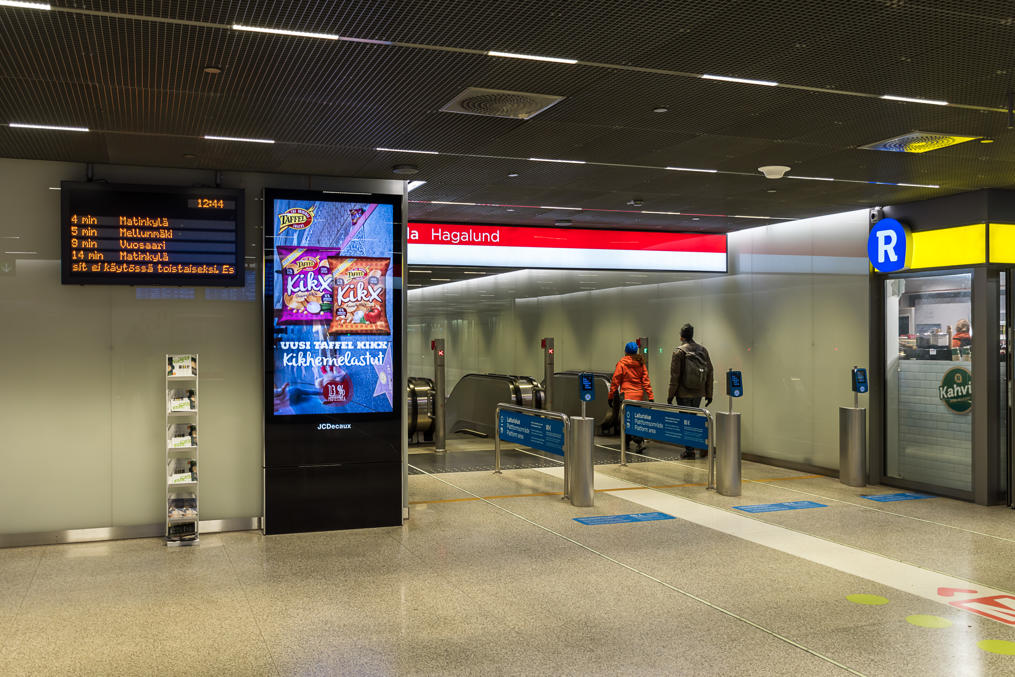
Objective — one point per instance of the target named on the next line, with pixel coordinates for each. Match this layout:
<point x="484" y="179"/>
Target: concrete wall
<point x="792" y="314"/>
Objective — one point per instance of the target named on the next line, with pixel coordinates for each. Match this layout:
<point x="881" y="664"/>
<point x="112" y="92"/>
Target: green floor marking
<point x="874" y="600"/>
<point x="928" y="621"/>
<point x="998" y="646"/>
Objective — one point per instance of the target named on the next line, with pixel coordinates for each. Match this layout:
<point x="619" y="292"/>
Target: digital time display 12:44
<point x="151" y="235"/>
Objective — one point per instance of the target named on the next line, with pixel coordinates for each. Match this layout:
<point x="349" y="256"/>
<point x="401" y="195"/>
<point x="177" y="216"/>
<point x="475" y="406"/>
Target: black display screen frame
<point x="300" y="440"/>
<point x="93" y="190"/>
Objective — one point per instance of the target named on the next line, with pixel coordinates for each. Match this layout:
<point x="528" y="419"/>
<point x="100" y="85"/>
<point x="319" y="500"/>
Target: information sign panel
<point x="674" y="427"/>
<point x="151" y="235"/>
<point x="545" y="434"/>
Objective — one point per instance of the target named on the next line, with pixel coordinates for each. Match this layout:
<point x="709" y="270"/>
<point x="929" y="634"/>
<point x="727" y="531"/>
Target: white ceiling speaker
<point x="774" y="171"/>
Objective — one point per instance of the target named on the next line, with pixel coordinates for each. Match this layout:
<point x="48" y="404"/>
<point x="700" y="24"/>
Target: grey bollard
<point x="727" y="449"/>
<point x="579" y="474"/>
<point x="853" y="446"/>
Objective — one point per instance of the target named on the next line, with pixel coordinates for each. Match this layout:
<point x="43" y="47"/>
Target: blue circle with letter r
<point x="887" y="246"/>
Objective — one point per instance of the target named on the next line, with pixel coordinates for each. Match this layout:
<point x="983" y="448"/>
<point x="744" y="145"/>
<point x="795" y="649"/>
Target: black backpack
<point x="695" y="372"/>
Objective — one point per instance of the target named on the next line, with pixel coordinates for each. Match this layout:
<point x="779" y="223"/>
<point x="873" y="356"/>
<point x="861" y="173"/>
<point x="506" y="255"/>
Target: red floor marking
<point x="999" y="608"/>
<point x="949" y="592"/>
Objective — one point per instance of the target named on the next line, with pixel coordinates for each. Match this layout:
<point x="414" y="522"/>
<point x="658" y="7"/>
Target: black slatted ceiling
<point x="329" y="104"/>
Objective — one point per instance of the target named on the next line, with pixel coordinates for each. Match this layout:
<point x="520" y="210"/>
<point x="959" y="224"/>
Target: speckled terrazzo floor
<point x="513" y="585"/>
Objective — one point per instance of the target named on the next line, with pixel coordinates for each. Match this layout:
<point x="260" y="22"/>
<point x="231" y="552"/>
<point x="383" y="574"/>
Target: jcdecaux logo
<point x="889" y="246"/>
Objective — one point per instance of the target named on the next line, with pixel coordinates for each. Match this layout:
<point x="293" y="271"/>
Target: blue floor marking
<point x="776" y="507"/>
<point x="621" y="519"/>
<point x="902" y="496"/>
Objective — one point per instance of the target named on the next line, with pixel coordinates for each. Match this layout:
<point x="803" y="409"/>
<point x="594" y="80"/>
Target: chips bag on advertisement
<point x="359" y="295"/>
<point x="306" y="284"/>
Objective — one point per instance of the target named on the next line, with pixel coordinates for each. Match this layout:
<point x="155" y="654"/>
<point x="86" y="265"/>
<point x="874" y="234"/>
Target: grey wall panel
<point x="82" y="409"/>
<point x="792" y="315"/>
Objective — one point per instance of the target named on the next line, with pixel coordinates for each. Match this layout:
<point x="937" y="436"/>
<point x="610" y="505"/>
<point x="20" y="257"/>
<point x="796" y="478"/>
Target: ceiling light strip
<point x="692" y="169"/>
<point x="25" y="5"/>
<point x="406" y="150"/>
<point x="531" y="57"/>
<point x="241" y="139"/>
<point x="809" y="178"/>
<point x="282" y="31"/>
<point x="744" y="81"/>
<point x="909" y="99"/>
<point x="57" y="128"/>
<point x="546" y="159"/>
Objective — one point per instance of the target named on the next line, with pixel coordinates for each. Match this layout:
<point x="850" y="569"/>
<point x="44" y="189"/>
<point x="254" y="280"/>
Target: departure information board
<point x="151" y="235"/>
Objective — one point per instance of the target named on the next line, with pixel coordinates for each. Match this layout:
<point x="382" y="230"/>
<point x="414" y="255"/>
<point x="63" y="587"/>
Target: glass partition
<point x="928" y="380"/>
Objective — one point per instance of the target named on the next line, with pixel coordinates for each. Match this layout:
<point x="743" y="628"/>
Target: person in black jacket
<point x="691" y="376"/>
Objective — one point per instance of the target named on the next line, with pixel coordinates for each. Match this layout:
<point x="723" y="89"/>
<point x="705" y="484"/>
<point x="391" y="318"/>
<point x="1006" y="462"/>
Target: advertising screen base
<point x="342" y="496"/>
<point x="334" y="337"/>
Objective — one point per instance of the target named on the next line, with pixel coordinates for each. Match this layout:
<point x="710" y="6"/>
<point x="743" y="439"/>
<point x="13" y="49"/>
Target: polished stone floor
<point x="492" y="575"/>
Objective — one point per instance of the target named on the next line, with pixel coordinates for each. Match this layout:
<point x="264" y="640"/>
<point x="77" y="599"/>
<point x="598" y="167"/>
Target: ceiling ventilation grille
<point x="918" y="142"/>
<point x="499" y="103"/>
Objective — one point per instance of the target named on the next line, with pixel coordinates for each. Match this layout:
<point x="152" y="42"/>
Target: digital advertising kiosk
<point x="334" y="341"/>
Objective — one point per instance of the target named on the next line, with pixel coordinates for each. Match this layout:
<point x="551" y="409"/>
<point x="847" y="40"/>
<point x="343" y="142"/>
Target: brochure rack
<point x="181" y="505"/>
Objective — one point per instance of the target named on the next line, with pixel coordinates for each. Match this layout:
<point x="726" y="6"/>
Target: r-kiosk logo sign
<point x="889" y="246"/>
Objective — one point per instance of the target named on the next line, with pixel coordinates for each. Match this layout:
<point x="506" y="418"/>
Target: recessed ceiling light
<point x="237" y="138"/>
<point x="909" y="99"/>
<point x="544" y="159"/>
<point x="747" y="216"/>
<point x="513" y="174"/>
<point x="695" y="218"/>
<point x="26" y="253"/>
<point x="25" y="5"/>
<point x="189" y="156"/>
<point x="440" y="279"/>
<point x="666" y="213"/>
<point x="403" y="150"/>
<point x="445" y="202"/>
<point x="473" y="272"/>
<point x="212" y="70"/>
<point x="661" y="109"/>
<point x="54" y="187"/>
<point x="510" y="210"/>
<point x="412" y="185"/>
<point x="530" y="57"/>
<point x="577" y="209"/>
<point x="279" y="31"/>
<point x="57" y="128"/>
<point x="810" y="178"/>
<point x="745" y="81"/>
<point x="692" y="169"/>
<point x="405" y="169"/>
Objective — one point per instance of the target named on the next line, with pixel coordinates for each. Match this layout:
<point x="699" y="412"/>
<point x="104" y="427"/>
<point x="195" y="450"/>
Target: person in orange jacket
<point x="630" y="382"/>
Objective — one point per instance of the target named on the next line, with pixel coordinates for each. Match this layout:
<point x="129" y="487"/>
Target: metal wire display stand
<point x="182" y="496"/>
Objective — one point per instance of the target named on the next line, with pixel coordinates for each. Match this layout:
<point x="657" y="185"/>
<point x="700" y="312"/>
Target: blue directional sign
<point x="891" y="498"/>
<point x="776" y="507"/>
<point x="586" y="386"/>
<point x="545" y="434"/>
<point x="623" y="519"/>
<point x="674" y="427"/>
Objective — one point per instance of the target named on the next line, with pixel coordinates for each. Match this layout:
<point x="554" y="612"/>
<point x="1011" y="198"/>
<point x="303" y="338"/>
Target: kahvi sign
<point x="956" y="390"/>
<point x="889" y="246"/>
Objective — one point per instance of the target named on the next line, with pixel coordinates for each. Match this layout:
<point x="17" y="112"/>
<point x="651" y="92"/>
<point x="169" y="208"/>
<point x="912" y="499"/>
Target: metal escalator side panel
<point x="473" y="402"/>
